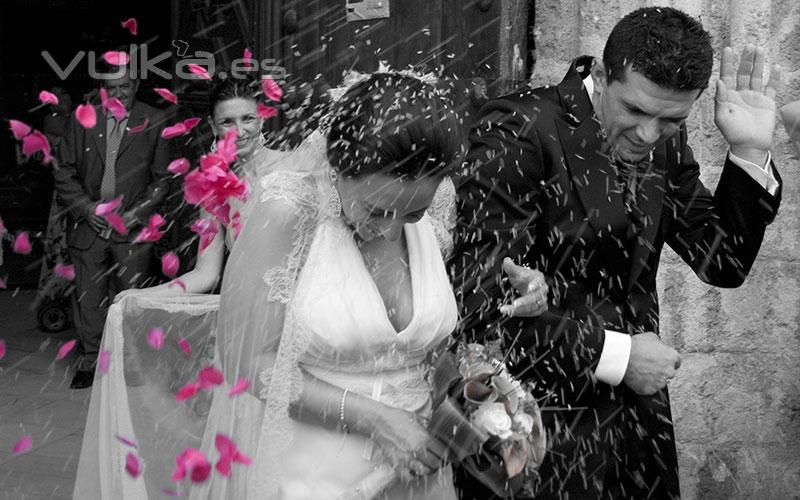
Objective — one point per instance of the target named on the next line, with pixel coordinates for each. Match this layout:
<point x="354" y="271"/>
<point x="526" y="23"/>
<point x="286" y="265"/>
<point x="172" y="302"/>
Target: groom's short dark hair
<point x="665" y="45"/>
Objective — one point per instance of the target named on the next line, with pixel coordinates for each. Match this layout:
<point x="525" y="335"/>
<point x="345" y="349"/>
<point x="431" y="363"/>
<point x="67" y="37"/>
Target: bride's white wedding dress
<point x="295" y="295"/>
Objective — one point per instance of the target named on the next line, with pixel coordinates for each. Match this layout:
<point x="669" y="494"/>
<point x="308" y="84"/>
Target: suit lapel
<point x="592" y="174"/>
<point x="136" y="118"/>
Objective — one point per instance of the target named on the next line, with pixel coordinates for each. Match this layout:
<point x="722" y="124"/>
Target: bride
<point x="333" y="300"/>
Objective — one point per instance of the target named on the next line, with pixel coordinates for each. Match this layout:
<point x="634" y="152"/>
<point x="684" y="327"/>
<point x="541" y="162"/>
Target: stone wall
<point x="736" y="400"/>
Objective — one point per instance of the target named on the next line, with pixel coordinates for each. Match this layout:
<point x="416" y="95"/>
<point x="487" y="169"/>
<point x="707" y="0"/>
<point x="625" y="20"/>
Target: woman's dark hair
<point x="246" y="85"/>
<point x="665" y="45"/>
<point x="394" y="124"/>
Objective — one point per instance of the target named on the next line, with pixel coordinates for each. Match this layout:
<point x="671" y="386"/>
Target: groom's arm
<point x="720" y="235"/>
<point x="498" y="210"/>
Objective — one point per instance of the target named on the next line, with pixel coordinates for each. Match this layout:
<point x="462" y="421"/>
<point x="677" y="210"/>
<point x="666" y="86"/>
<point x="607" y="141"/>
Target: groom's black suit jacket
<point x="539" y="190"/>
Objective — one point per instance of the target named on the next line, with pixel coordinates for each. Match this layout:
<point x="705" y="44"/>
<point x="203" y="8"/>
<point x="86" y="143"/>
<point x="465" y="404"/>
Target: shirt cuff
<point x="762" y="175"/>
<point x="614" y="358"/>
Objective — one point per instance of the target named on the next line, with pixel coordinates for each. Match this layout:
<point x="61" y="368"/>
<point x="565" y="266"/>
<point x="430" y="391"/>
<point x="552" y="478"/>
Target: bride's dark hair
<point x="246" y="87"/>
<point x="394" y="124"/>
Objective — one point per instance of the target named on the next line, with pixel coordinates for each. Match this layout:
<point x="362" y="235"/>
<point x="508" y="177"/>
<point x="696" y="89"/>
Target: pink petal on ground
<point x="22" y="243"/>
<point x="86" y="115"/>
<point x="189" y="390"/>
<point x="155" y="337"/>
<point x="23" y="445"/>
<point x="139" y="128"/>
<point x="271" y="89"/>
<point x="266" y="112"/>
<point x="117" y="222"/>
<point x="117" y="108"/>
<point x="210" y="377"/>
<point x="174" y="131"/>
<point x="46" y="97"/>
<point x="239" y="387"/>
<point x="116" y="57"/>
<point x="106" y="208"/>
<point x="125" y="441"/>
<point x="199" y="71"/>
<point x="66" y="271"/>
<point x="170" y="264"/>
<point x="185" y="346"/>
<point x="132" y="465"/>
<point x="191" y="123"/>
<point x="131" y="25"/>
<point x="167" y="95"/>
<point x="19" y="129"/>
<point x="65" y="349"/>
<point x="179" y="166"/>
<point x="2" y="348"/>
<point x="103" y="361"/>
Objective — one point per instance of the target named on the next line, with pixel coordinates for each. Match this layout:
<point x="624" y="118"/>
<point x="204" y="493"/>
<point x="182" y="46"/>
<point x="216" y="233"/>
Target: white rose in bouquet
<point x="523" y="423"/>
<point x="492" y="418"/>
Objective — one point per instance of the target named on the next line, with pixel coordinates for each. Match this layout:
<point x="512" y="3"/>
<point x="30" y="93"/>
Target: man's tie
<point x="108" y="185"/>
<point x="630" y="176"/>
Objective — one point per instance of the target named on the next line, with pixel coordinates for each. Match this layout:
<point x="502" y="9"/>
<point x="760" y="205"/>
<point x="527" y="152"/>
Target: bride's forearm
<point x="329" y="406"/>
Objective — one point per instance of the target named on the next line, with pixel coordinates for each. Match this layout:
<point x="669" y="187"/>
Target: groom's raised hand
<point x="744" y="108"/>
<point x="651" y="364"/>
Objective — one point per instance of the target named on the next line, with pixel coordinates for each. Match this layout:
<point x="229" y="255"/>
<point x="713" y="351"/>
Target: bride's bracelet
<point x="342" y="421"/>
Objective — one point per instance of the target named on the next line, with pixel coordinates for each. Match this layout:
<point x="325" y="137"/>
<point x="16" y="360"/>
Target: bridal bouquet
<point x="491" y="425"/>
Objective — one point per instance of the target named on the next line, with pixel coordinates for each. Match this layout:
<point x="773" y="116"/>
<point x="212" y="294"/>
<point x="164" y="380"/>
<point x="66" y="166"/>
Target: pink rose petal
<point x="199" y="71"/>
<point x="152" y="232"/>
<point x="117" y="222"/>
<point x="170" y="492"/>
<point x="19" y="129"/>
<point x="115" y="57"/>
<point x="207" y="229"/>
<point x="179" y="166"/>
<point x="66" y="271"/>
<point x="226" y="147"/>
<point x="86" y="115"/>
<point x="248" y="57"/>
<point x="191" y="123"/>
<point x="189" y="390"/>
<point x="271" y="89"/>
<point x="266" y="112"/>
<point x="139" y="128"/>
<point x="185" y="346"/>
<point x="170" y="264"/>
<point x="174" y="131"/>
<point x="65" y="349"/>
<point x="23" y="445"/>
<point x="131" y="25"/>
<point x="3" y="282"/>
<point x="125" y="441"/>
<point x="35" y="142"/>
<point x="106" y="208"/>
<point x="229" y="453"/>
<point x="103" y="99"/>
<point x="210" y="377"/>
<point x="155" y="337"/>
<point x="239" y="387"/>
<point x="2" y="348"/>
<point x="117" y="108"/>
<point x="180" y="283"/>
<point x="46" y="97"/>
<point x="132" y="465"/>
<point x="103" y="361"/>
<point x="167" y="95"/>
<point x="22" y="243"/>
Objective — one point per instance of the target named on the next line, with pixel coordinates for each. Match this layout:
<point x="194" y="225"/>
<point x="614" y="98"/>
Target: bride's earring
<point x="334" y="201"/>
<point x="213" y="147"/>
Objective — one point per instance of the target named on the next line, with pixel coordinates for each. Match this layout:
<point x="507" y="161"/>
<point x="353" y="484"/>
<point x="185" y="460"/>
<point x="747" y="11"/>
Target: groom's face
<point x="636" y="113"/>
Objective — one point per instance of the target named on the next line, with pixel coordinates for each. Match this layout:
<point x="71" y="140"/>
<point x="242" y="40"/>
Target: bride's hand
<point x="407" y="445"/>
<point x="531" y="285"/>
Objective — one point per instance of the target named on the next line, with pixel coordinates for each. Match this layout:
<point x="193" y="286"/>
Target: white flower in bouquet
<point x="523" y="423"/>
<point x="493" y="418"/>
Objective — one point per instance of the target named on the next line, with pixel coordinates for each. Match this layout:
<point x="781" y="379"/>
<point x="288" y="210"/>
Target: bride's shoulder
<point x="297" y="188"/>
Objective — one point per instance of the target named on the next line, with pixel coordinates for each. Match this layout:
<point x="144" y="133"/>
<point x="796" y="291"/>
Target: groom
<point x="587" y="181"/>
